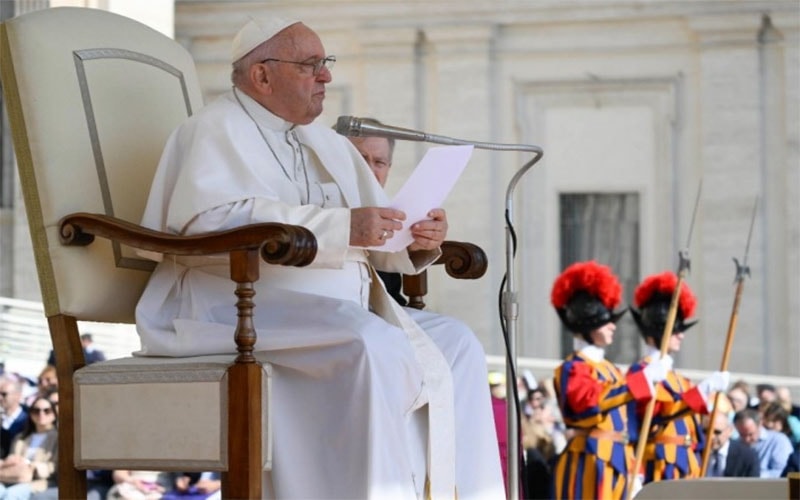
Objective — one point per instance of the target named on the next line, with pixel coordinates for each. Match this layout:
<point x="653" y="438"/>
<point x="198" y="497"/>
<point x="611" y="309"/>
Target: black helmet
<point x="652" y="299"/>
<point x="585" y="296"/>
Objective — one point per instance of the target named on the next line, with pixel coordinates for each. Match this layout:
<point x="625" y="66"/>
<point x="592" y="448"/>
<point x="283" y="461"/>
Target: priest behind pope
<point x="367" y="403"/>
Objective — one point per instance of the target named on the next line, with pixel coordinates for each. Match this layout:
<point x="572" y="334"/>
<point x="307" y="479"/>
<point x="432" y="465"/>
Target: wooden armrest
<point x="275" y="243"/>
<point x="461" y="260"/>
<point x="282" y="244"/>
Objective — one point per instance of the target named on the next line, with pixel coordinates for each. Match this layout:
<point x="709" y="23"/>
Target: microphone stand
<point x="352" y="126"/>
<point x="510" y="306"/>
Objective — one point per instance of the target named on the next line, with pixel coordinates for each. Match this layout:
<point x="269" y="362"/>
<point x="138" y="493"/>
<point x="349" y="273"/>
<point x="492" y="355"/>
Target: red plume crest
<point x="664" y="284"/>
<point x="594" y="278"/>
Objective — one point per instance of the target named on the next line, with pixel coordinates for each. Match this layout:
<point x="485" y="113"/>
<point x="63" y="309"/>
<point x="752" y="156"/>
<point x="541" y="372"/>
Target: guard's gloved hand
<point x="716" y="382"/>
<point x="657" y="369"/>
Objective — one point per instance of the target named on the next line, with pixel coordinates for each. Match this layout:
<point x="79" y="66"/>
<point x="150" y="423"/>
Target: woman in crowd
<point x="32" y="460"/>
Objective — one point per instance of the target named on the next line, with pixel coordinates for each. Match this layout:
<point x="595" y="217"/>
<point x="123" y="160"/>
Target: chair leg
<point x="65" y="336"/>
<point x="245" y="473"/>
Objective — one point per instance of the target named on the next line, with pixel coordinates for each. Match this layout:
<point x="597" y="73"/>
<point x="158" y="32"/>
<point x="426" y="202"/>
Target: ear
<point x="260" y="78"/>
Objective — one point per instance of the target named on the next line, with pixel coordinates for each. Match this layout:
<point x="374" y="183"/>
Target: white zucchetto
<point x="255" y="32"/>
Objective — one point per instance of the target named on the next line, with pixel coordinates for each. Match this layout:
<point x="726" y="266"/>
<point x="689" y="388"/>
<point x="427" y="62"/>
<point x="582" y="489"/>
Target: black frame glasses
<point x="41" y="411"/>
<point x="317" y="66"/>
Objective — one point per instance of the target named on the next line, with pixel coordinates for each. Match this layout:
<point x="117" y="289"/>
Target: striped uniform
<point x="595" y="400"/>
<point x="676" y="436"/>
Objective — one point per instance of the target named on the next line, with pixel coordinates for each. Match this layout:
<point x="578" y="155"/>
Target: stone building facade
<point x="637" y="104"/>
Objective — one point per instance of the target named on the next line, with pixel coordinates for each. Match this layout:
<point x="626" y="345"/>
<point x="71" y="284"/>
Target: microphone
<point x="350" y="126"/>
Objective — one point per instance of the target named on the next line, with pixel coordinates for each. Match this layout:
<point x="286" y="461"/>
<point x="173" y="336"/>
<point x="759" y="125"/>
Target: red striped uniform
<point x="595" y="400"/>
<point x="676" y="436"/>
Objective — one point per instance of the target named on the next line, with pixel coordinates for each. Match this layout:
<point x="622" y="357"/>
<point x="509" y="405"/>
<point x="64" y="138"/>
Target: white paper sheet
<point x="426" y="188"/>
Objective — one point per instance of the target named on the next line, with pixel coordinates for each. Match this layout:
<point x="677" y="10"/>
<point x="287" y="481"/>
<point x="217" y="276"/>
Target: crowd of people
<point x="29" y="449"/>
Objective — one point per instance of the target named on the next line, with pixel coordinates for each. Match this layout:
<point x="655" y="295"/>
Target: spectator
<point x="537" y="443"/>
<point x="776" y="418"/>
<point x="739" y="397"/>
<point x="45" y="383"/>
<point x="730" y="457"/>
<point x="90" y="353"/>
<point x="497" y="389"/>
<point x="785" y="399"/>
<point x="139" y="485"/>
<point x="195" y="486"/>
<point x="32" y="460"/>
<point x="765" y="394"/>
<point x="773" y="448"/>
<point x="14" y="414"/>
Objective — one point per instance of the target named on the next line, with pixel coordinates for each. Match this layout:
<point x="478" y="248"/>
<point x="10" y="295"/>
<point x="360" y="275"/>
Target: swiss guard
<point x="675" y="438"/>
<point x="595" y="398"/>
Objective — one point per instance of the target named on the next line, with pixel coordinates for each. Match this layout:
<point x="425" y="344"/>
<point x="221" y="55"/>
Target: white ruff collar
<point x="588" y="350"/>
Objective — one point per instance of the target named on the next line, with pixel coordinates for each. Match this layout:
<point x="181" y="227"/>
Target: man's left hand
<point x="429" y="234"/>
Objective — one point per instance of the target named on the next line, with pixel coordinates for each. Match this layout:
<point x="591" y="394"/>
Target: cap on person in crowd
<point x="496" y="378"/>
<point x="585" y="297"/>
<point x="255" y="32"/>
<point x="651" y="302"/>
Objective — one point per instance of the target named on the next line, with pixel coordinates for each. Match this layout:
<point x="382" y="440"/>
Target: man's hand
<point x="429" y="234"/>
<point x="372" y="226"/>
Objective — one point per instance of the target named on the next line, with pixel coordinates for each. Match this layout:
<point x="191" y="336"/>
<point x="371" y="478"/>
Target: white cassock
<point x="366" y="405"/>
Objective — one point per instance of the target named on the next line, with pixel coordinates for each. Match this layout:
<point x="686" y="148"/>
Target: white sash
<point x="438" y="382"/>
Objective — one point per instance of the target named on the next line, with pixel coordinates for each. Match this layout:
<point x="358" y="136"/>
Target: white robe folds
<point x="351" y="388"/>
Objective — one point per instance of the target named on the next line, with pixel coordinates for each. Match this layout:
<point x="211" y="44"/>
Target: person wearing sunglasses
<point x="32" y="461"/>
<point x="730" y="457"/>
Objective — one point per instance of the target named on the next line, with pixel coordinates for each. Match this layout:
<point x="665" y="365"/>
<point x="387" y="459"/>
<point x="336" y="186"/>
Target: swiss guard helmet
<point x="651" y="305"/>
<point x="585" y="296"/>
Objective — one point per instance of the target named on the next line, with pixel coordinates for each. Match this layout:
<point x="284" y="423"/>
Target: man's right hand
<point x="372" y="226"/>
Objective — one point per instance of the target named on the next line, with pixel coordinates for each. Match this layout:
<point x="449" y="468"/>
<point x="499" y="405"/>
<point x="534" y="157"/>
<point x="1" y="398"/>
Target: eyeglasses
<point x="39" y="411"/>
<point x="317" y="66"/>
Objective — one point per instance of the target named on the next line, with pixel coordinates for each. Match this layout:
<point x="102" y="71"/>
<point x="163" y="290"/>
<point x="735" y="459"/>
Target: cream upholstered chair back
<point x="118" y="88"/>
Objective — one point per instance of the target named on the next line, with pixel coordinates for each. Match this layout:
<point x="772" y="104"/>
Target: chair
<point x="91" y="98"/>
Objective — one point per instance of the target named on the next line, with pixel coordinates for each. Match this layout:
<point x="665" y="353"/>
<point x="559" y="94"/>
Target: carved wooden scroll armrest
<point x="461" y="260"/>
<point x="275" y="243"/>
<point x="282" y="244"/>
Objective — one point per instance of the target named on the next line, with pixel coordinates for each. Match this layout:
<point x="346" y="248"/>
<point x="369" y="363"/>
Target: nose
<point x="325" y="75"/>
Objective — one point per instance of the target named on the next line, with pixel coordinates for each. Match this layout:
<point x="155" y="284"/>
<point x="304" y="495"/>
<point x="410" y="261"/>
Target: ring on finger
<point x="384" y="234"/>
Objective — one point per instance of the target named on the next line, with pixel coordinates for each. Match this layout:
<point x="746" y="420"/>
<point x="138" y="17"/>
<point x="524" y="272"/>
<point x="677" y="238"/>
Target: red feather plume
<point x="664" y="284"/>
<point x="594" y="278"/>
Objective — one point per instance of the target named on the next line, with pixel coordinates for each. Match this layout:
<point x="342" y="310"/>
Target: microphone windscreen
<point x="348" y="126"/>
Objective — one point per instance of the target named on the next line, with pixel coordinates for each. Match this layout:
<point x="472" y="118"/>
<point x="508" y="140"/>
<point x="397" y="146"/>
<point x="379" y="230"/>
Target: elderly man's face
<point x="377" y="154"/>
<point x="721" y="432"/>
<point x="297" y="93"/>
<point x="9" y="397"/>
<point x="748" y="431"/>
